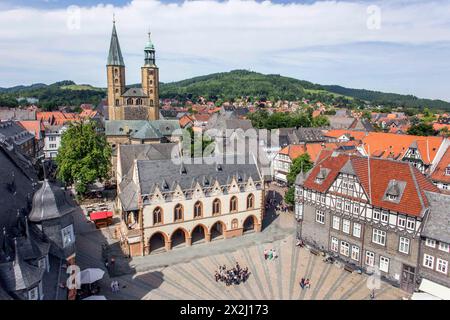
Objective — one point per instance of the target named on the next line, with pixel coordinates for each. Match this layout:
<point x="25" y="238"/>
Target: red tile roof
<point x="313" y="149"/>
<point x="35" y="127"/>
<point x="412" y="202"/>
<point x="388" y="145"/>
<point x="439" y="172"/>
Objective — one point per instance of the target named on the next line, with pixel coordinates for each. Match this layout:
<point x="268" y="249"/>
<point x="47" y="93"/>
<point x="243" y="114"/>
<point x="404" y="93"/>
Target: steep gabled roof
<point x="115" y="54"/>
<point x="382" y="172"/>
<point x="439" y="172"/>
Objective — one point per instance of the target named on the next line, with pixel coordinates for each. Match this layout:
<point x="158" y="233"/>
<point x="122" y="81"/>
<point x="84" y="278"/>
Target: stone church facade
<point x="132" y="103"/>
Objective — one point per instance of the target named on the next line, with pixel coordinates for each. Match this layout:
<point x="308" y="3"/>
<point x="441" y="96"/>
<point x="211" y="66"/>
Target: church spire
<point x="115" y="54"/>
<point x="149" y="52"/>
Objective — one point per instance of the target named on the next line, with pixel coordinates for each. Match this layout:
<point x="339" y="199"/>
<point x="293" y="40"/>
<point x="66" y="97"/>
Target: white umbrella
<point x="91" y="275"/>
<point x="95" y="298"/>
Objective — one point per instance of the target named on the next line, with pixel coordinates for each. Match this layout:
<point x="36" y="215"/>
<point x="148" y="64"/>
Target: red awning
<point x="100" y="215"/>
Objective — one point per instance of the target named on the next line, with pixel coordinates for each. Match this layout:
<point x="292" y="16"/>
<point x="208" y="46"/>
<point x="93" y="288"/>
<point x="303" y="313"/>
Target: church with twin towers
<point x="132" y="103"/>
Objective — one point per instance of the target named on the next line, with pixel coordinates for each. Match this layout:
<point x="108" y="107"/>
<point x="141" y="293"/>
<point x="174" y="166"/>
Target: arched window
<point x="198" y="210"/>
<point x="233" y="204"/>
<point x="234" y="224"/>
<point x="178" y="213"/>
<point x="151" y="90"/>
<point x="117" y="102"/>
<point x="116" y="81"/>
<point x="139" y="101"/>
<point x="157" y="216"/>
<point x="117" y="90"/>
<point x="116" y="71"/>
<point x="151" y="102"/>
<point x="250" y="201"/>
<point x="129" y="101"/>
<point x="216" y="207"/>
<point x="151" y="81"/>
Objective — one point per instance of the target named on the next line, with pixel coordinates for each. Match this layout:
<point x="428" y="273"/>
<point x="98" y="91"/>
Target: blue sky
<point x="387" y="45"/>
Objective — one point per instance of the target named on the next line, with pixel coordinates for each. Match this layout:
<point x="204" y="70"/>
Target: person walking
<point x="274" y="253"/>
<point x="270" y="254"/>
<point x="302" y="283"/>
<point x="307" y="284"/>
<point x="266" y="254"/>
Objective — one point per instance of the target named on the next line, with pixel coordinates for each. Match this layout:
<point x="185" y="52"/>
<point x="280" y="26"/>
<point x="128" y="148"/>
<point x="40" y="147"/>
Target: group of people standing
<point x="305" y="284"/>
<point x="235" y="275"/>
<point x="115" y="286"/>
<point x="270" y="254"/>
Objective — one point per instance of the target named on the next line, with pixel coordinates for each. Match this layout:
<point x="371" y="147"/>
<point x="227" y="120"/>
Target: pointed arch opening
<point x="233" y="204"/>
<point x="250" y="224"/>
<point x="178" y="238"/>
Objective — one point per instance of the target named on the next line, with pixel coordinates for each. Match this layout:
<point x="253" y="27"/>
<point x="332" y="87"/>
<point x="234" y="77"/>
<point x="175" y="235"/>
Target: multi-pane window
<point x="233" y="204"/>
<point x="250" y="201"/>
<point x="384" y="217"/>
<point x="346" y="226"/>
<point x="356" y="209"/>
<point x="347" y="207"/>
<point x="234" y="224"/>
<point x="428" y="261"/>
<point x="323" y="199"/>
<point x="355" y="253"/>
<point x="442" y="265"/>
<point x="68" y="236"/>
<point x="370" y="258"/>
<point x="33" y="294"/>
<point x="376" y="214"/>
<point x="336" y="222"/>
<point x="216" y="207"/>
<point x="411" y="224"/>
<point x="320" y="216"/>
<point x="401" y="221"/>
<point x="430" y="243"/>
<point x="384" y="264"/>
<point x="403" y="245"/>
<point x="345" y="248"/>
<point x="379" y="237"/>
<point x="157" y="215"/>
<point x="357" y="230"/>
<point x="339" y="204"/>
<point x="198" y="209"/>
<point x="178" y="212"/>
<point x="443" y="246"/>
<point x="334" y="244"/>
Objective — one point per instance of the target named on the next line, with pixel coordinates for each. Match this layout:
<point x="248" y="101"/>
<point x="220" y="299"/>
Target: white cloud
<point x="197" y="37"/>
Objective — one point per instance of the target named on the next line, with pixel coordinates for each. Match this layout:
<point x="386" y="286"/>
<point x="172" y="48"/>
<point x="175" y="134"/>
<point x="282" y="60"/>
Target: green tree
<point x="320" y="121"/>
<point x="301" y="163"/>
<point x="422" y="129"/>
<point x="84" y="156"/>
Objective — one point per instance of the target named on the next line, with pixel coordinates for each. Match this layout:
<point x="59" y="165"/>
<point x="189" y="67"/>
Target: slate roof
<point x="154" y="151"/>
<point x="13" y="133"/>
<point x="134" y="92"/>
<point x="437" y="223"/>
<point x="172" y="173"/>
<point x="141" y="129"/>
<point x="18" y="182"/>
<point x="115" y="57"/>
<point x="49" y="202"/>
<point x="412" y="202"/>
<point x="19" y="275"/>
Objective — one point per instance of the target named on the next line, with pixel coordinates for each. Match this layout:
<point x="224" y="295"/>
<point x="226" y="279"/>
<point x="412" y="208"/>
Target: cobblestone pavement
<point x="188" y="273"/>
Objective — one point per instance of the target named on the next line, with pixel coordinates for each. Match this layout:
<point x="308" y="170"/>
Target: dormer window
<point x="323" y="173"/>
<point x="447" y="170"/>
<point x="394" y="191"/>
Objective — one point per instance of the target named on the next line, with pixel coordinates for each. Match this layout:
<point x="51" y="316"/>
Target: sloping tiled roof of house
<point x="185" y="120"/>
<point x="313" y="149"/>
<point x="35" y="127"/>
<point x="388" y="145"/>
<point x="358" y="135"/>
<point x="382" y="172"/>
<point x="439" y="172"/>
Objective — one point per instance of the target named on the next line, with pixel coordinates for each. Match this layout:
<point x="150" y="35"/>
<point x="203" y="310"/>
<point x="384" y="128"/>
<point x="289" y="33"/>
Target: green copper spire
<point x="149" y="52"/>
<point x="115" y="54"/>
